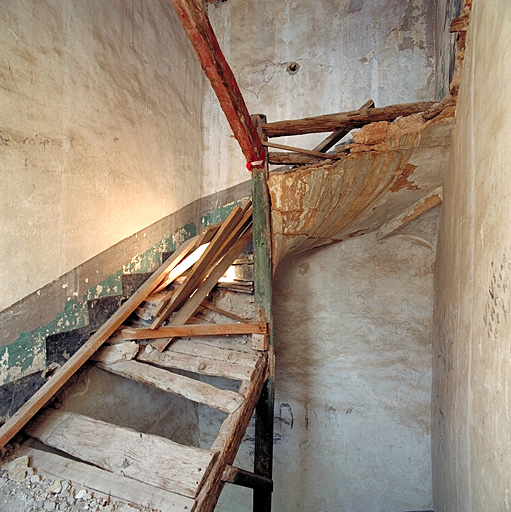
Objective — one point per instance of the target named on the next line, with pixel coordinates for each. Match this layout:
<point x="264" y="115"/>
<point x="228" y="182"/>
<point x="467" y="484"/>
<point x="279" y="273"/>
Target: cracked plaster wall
<point x="348" y="51"/>
<point x="471" y="358"/>
<point x="100" y="106"/>
<point x="352" y="320"/>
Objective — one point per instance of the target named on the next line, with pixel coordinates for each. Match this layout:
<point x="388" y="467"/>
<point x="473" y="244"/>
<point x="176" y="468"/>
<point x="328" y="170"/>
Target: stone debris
<point x="23" y="490"/>
<point x="17" y="469"/>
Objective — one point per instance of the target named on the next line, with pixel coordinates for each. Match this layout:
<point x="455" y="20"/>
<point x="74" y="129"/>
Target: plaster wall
<point x="352" y="321"/>
<point x="353" y="327"/>
<point x="348" y="51"/>
<point x="472" y="371"/>
<point x="100" y="131"/>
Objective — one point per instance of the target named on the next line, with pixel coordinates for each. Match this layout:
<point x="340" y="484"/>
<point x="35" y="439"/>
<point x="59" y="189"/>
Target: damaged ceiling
<point x="390" y="175"/>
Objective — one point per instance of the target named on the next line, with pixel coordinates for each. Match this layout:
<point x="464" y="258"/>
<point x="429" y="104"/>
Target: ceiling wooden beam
<point x="195" y="22"/>
<point x="343" y="120"/>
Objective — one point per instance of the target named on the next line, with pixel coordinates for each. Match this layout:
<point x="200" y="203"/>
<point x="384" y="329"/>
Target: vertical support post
<point x="263" y="301"/>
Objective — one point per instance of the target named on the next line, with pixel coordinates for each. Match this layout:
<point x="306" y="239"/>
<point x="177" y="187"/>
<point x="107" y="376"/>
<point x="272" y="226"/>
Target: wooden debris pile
<point x="176" y="321"/>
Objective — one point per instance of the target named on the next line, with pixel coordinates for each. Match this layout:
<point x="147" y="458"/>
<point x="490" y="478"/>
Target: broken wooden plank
<point x="115" y="353"/>
<point x="219" y="351"/>
<point x="281" y="158"/>
<point x="300" y="150"/>
<point x="229" y="438"/>
<point x="223" y="312"/>
<point x="238" y="476"/>
<point x="197" y="364"/>
<point x="100" y="481"/>
<point x="145" y="457"/>
<point x="336" y="136"/>
<point x="418" y="208"/>
<point x="202" y="292"/>
<point x="179" y="385"/>
<point x="60" y="377"/>
<point x="188" y="262"/>
<point x="194" y="330"/>
<point x="223" y="238"/>
<point x="343" y="120"/>
<point x="195" y="22"/>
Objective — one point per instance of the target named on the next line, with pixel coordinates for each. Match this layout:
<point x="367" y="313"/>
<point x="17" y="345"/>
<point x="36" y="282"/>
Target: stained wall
<point x="345" y="51"/>
<point x="353" y="320"/>
<point x="471" y="358"/>
<point x="100" y="131"/>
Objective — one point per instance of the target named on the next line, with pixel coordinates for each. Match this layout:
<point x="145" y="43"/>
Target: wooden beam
<point x="263" y="271"/>
<point x="191" y="389"/>
<point x="300" y="150"/>
<point x="238" y="476"/>
<point x="209" y="283"/>
<point x="281" y="158"/>
<point x="336" y="136"/>
<point x="229" y="438"/>
<point x="194" y="330"/>
<point x="423" y="205"/>
<point x="344" y="120"/>
<point x="145" y="457"/>
<point x="195" y="22"/>
<point x="62" y="375"/>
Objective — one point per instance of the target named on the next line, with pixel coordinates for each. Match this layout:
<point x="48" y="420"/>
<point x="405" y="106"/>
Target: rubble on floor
<point x="24" y="490"/>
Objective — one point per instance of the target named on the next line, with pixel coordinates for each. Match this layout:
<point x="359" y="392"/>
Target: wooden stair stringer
<point x="229" y="439"/>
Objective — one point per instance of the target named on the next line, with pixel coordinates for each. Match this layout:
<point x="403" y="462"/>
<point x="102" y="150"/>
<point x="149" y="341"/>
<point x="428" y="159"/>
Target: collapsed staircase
<point x="167" y="335"/>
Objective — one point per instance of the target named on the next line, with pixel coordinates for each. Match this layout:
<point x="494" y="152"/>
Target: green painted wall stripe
<point x="27" y="354"/>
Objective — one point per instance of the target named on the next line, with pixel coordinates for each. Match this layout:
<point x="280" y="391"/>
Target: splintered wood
<point x="170" y="305"/>
<point x="148" y="458"/>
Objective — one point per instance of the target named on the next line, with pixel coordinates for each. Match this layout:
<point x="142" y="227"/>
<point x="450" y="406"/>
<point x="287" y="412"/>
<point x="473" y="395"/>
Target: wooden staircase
<point x="161" y="337"/>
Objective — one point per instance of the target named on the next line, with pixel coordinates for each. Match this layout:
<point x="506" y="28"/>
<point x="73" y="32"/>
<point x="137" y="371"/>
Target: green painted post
<point x="263" y="458"/>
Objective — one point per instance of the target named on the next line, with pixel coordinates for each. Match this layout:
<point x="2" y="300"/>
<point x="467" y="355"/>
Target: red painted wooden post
<point x="195" y="22"/>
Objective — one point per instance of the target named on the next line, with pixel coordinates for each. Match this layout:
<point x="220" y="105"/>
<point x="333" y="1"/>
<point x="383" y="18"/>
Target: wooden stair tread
<point x="148" y="458"/>
<point x="221" y="351"/>
<point x="198" y="364"/>
<point x="186" y="387"/>
<point x="100" y="481"/>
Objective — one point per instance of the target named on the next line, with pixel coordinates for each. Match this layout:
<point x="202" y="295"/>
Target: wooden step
<point x="192" y="389"/>
<point x="103" y="482"/>
<point x="144" y="457"/>
<point x="216" y="348"/>
<point x="197" y="364"/>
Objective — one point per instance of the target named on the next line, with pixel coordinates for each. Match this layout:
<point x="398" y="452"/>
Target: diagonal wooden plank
<point x="223" y="312"/>
<point x="337" y="135"/>
<point x="229" y="439"/>
<point x="195" y="22"/>
<point x="179" y="385"/>
<point x="193" y="303"/>
<point x="145" y="457"/>
<point x="423" y="205"/>
<point x="197" y="364"/>
<point x="300" y="150"/>
<point x="200" y="270"/>
<point x="39" y="399"/>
